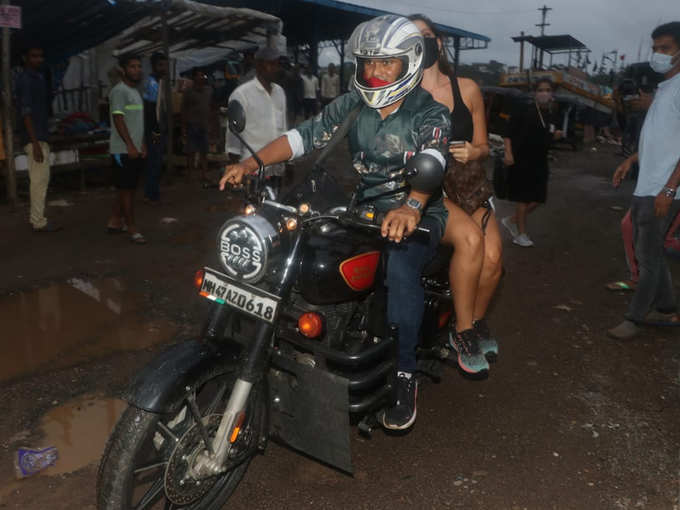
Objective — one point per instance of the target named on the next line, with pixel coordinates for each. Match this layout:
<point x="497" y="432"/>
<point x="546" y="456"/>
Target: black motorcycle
<point x="296" y="347"/>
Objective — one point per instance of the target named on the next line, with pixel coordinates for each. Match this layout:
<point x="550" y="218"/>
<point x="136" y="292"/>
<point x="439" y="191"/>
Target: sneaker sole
<point x="406" y="425"/>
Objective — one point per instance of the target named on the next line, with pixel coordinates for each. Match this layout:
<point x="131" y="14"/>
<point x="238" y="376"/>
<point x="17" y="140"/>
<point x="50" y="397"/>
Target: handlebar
<point x="375" y="225"/>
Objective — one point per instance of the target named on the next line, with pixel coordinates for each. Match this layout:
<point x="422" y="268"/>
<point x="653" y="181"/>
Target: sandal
<point x="621" y="285"/>
<point x="137" y="238"/>
<point x="116" y="230"/>
<point x="656" y="318"/>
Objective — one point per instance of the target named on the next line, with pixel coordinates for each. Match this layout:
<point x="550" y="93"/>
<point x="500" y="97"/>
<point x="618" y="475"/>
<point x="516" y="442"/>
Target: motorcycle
<point x="296" y="347"/>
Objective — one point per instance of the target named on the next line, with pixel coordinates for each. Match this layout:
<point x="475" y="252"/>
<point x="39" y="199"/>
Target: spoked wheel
<point x="146" y="464"/>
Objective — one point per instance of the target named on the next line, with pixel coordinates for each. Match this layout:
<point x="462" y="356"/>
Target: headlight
<point x="248" y="246"/>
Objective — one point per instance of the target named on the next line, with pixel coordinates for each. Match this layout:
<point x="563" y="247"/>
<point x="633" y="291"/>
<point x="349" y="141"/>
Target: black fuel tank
<point x="338" y="264"/>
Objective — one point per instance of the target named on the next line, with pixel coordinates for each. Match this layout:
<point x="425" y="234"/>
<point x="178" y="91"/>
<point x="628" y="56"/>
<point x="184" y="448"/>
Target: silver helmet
<point x="388" y="36"/>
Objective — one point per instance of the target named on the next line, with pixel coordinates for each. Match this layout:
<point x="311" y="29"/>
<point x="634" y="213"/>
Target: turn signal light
<point x="198" y="278"/>
<point x="250" y="209"/>
<point x="310" y="325"/>
<point x="303" y="209"/>
<point x="237" y="427"/>
<point x="291" y="223"/>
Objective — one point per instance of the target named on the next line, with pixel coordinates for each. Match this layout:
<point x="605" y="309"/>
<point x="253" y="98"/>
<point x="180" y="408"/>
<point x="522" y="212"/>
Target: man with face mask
<point x="656" y="200"/>
<point x="396" y="119"/>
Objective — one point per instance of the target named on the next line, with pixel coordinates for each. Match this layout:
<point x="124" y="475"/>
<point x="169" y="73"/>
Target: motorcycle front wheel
<point x="145" y="463"/>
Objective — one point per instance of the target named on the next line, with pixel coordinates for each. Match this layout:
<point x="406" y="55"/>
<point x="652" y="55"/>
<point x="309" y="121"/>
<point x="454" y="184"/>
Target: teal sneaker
<point x="470" y="357"/>
<point x="487" y="342"/>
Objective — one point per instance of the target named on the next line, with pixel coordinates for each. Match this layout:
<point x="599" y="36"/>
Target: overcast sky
<point x="602" y="25"/>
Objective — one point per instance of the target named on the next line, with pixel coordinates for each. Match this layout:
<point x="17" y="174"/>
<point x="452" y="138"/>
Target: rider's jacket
<point x="379" y="147"/>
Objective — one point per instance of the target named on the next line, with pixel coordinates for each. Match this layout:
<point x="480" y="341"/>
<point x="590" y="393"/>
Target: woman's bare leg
<point x="492" y="265"/>
<point x="466" y="264"/>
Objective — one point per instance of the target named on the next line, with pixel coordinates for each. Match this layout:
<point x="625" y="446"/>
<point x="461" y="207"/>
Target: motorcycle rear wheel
<point x="133" y="473"/>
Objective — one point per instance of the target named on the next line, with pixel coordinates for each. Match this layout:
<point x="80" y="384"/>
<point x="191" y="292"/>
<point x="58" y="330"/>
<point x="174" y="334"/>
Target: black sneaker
<point x="403" y="414"/>
<point x="487" y="342"/>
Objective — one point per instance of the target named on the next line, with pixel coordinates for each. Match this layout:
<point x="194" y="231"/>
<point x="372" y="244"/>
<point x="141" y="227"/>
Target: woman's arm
<point x="479" y="148"/>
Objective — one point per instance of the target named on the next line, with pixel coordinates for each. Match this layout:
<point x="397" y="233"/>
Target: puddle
<point x="79" y="429"/>
<point x="69" y="323"/>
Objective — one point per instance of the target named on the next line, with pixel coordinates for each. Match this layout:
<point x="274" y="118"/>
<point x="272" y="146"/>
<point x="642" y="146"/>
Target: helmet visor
<point x="379" y="72"/>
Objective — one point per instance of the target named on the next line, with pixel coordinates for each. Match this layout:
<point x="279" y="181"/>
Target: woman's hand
<point x="465" y="152"/>
<point x="508" y="159"/>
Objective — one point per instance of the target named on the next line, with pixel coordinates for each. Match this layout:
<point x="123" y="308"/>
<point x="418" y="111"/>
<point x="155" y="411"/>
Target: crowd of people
<point x="407" y="78"/>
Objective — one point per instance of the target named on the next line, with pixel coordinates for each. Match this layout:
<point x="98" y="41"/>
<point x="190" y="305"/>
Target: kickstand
<point x="368" y="424"/>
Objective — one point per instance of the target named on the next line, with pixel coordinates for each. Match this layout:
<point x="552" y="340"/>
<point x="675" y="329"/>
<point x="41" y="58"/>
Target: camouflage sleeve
<point x="434" y="128"/>
<point x="317" y="131"/>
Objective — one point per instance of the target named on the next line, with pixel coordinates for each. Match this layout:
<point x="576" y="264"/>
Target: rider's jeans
<point x="405" y="294"/>
<point x="655" y="286"/>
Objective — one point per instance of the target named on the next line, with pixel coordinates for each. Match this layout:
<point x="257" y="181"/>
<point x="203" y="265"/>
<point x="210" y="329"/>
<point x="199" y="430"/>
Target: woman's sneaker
<point x="523" y="240"/>
<point x="511" y="226"/>
<point x="487" y="343"/>
<point x="470" y="357"/>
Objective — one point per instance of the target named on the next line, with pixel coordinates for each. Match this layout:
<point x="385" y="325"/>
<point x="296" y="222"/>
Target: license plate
<point x="246" y="298"/>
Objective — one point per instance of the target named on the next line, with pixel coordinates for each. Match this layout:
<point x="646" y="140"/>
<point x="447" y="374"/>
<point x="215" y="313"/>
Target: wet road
<point x="568" y="419"/>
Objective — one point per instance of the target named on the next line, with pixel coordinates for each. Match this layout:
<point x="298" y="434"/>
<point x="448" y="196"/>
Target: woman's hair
<point x="544" y="80"/>
<point x="442" y="61"/>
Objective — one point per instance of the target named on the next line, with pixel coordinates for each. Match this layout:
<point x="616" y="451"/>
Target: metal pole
<point x="521" y="52"/>
<point x="7" y="117"/>
<point x="167" y="90"/>
<point x="342" y="66"/>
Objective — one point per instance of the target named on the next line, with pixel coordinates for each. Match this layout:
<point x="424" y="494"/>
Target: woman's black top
<point x="461" y="118"/>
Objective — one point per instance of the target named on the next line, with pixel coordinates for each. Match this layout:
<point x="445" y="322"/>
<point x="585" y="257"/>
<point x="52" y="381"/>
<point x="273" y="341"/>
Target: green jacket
<point x="379" y="146"/>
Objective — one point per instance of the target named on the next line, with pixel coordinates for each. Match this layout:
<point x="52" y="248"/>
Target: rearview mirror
<point x="236" y="116"/>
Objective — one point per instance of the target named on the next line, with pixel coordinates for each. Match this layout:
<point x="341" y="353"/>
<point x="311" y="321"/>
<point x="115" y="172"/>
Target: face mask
<point x="543" y="97"/>
<point x="375" y="83"/>
<point x="661" y="63"/>
<point x="431" y="52"/>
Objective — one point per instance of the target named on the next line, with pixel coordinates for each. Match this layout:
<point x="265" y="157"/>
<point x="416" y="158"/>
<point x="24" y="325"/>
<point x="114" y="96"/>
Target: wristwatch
<point x="414" y="204"/>
<point x="668" y="191"/>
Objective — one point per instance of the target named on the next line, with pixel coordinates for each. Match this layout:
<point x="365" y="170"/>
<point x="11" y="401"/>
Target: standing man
<point x="33" y="100"/>
<point x="330" y="85"/>
<point x="264" y="103"/>
<point x="196" y="116"/>
<point x="656" y="200"/>
<point x="155" y="130"/>
<point x="127" y="146"/>
<point x="310" y="90"/>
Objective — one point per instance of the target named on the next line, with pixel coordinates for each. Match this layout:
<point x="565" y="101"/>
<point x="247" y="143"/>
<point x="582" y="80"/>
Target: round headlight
<point x="246" y="245"/>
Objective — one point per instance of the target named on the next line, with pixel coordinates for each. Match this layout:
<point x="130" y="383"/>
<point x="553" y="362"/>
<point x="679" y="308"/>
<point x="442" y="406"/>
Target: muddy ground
<point x="567" y="419"/>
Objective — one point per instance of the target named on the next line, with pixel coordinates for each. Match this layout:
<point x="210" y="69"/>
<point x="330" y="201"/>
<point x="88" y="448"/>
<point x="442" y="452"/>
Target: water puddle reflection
<point x="79" y="430"/>
<point x="69" y="323"/>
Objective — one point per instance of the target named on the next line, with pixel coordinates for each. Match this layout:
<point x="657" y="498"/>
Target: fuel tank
<point x="338" y="264"/>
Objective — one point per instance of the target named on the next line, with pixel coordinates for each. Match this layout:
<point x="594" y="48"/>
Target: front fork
<point x="213" y="460"/>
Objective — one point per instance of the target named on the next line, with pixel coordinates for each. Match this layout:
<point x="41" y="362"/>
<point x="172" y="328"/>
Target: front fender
<point x="163" y="380"/>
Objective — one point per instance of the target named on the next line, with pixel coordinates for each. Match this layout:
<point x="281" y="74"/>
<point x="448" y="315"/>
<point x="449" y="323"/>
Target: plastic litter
<point x="29" y="461"/>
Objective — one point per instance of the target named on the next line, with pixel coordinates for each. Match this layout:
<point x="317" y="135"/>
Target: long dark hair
<point x="442" y="61"/>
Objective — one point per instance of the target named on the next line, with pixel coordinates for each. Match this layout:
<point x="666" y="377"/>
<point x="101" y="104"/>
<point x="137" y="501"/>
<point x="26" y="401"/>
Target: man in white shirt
<point x="656" y="200"/>
<point x="330" y="85"/>
<point x="264" y="103"/>
<point x="310" y="86"/>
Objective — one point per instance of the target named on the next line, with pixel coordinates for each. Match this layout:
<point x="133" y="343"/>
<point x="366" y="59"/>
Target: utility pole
<point x="544" y="13"/>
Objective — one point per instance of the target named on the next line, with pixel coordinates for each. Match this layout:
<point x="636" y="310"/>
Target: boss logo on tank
<point x="241" y="251"/>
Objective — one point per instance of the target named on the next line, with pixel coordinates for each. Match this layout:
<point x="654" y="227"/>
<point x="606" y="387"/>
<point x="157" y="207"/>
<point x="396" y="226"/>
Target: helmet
<point x="388" y="36"/>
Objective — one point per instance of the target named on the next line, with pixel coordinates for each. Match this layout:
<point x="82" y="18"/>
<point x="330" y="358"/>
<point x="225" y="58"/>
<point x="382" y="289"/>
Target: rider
<point x="398" y="120"/>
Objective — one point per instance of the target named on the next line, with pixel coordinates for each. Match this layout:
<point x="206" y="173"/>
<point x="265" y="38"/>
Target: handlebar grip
<point x="420" y="233"/>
